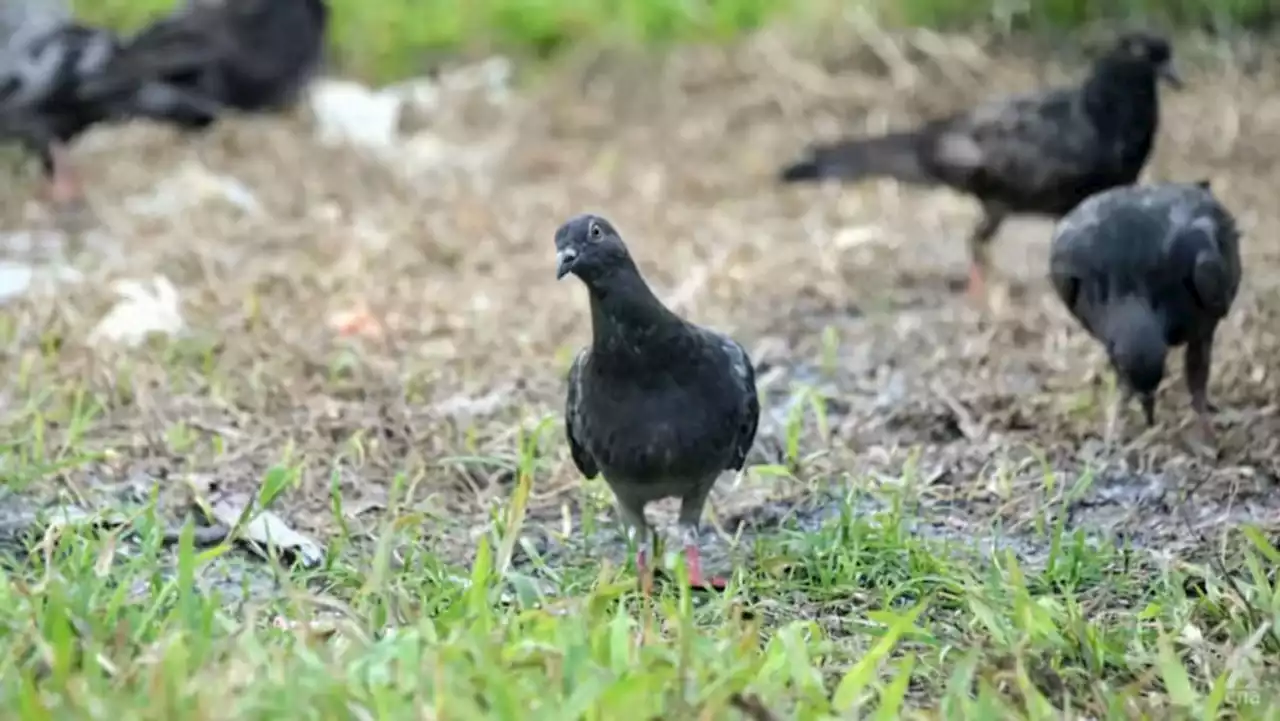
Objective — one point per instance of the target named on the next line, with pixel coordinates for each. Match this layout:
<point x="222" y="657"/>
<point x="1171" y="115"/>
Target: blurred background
<point x="381" y="39"/>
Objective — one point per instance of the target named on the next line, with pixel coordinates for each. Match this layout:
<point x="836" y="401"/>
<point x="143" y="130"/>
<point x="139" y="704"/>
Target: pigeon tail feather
<point x="896" y="155"/>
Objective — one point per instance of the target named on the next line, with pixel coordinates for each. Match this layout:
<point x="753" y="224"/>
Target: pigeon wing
<point x="1023" y="146"/>
<point x="1214" y="277"/>
<point x="573" y="418"/>
<point x="749" y="410"/>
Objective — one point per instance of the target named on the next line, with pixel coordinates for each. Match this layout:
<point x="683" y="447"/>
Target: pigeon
<point x="1145" y="268"/>
<point x="661" y="407"/>
<point x="45" y="59"/>
<point x="246" y="55"/>
<point x="1031" y="154"/>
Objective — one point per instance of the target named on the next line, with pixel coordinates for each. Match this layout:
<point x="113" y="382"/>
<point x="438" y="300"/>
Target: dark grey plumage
<point x="659" y="405"/>
<point x="1145" y="268"/>
<point x="1037" y="154"/>
<point x="247" y="55"/>
<point x="45" y="62"/>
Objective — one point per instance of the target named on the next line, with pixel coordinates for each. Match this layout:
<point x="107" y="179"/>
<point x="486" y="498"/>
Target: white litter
<point x="854" y="236"/>
<point x="350" y="113"/>
<point x="421" y="94"/>
<point x="141" y="312"/>
<point x="20" y="242"/>
<point x="492" y="77"/>
<point x="347" y="112"/>
<point x="192" y="186"/>
<point x="19" y="279"/>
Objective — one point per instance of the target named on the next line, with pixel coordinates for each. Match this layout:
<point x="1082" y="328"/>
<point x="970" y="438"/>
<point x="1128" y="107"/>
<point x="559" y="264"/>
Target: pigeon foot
<point x="696" y="580"/>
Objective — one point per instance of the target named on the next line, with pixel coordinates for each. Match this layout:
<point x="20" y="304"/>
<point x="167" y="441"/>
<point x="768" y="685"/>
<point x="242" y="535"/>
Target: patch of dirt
<point x="849" y="291"/>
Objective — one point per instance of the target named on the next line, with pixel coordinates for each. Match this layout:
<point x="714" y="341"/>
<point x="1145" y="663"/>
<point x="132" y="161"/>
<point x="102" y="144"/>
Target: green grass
<point x="862" y="617"/>
<point x="395" y="37"/>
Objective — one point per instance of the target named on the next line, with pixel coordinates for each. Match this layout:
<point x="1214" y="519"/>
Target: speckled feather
<point x="43" y="55"/>
<point x="1146" y="240"/>
<point x="43" y="75"/>
<point x="1145" y="269"/>
<point x="1038" y="153"/>
<point x="250" y="55"/>
<point x="692" y="414"/>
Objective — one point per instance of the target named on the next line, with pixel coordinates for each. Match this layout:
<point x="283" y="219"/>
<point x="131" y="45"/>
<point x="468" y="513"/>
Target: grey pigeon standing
<point x="1034" y="154"/>
<point x="1145" y="268"/>
<point x="42" y="54"/>
<point x="46" y="58"/>
<point x="659" y="405"/>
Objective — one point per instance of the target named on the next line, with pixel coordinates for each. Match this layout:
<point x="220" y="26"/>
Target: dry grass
<point x="988" y="420"/>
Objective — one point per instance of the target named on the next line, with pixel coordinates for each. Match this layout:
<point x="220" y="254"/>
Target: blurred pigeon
<point x="247" y="55"/>
<point x="658" y="405"/>
<point x="45" y="58"/>
<point x="1146" y="268"/>
<point x="1036" y="154"/>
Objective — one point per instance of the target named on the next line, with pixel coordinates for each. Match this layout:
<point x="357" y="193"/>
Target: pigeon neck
<point x="1130" y="310"/>
<point x="623" y="307"/>
<point x="1135" y="338"/>
<point x="1122" y="100"/>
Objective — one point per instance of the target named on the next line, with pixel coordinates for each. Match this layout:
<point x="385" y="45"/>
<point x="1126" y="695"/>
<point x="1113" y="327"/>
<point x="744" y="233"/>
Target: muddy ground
<point x="447" y="243"/>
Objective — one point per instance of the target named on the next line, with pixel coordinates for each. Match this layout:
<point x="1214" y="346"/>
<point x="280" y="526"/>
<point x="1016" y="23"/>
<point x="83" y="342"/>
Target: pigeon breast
<point x="687" y="414"/>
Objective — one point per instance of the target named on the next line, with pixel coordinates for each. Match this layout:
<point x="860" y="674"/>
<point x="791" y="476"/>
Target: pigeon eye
<point x="594" y="233"/>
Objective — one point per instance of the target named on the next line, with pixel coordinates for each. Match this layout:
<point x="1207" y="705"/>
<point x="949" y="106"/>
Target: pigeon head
<point x="1147" y="51"/>
<point x="1136" y="346"/>
<point x="589" y="247"/>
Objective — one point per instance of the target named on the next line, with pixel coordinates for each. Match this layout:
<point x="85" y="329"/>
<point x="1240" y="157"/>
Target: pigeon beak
<point x="1148" y="401"/>
<point x="564" y="261"/>
<point x="1170" y="73"/>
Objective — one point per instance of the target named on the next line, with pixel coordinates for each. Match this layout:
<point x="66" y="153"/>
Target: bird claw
<point x="644" y="571"/>
<point x="976" y="289"/>
<point x="714" y="583"/>
<point x="1203" y="439"/>
<point x="1113" y="425"/>
<point x="66" y="198"/>
<point x="73" y="216"/>
<point x="1208" y="407"/>
<point x="693" y="561"/>
<point x="646" y="583"/>
<point x="64" y="192"/>
<point x="64" y="182"/>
